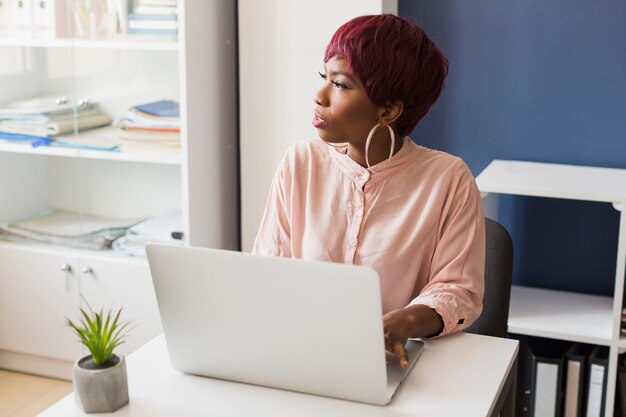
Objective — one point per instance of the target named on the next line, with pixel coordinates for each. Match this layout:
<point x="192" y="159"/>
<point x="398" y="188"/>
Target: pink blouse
<point x="419" y="223"/>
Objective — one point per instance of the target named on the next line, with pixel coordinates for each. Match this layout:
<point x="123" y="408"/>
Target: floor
<point x="23" y="395"/>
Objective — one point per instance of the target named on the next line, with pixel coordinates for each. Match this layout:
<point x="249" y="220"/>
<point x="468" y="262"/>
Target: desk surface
<point x="457" y="375"/>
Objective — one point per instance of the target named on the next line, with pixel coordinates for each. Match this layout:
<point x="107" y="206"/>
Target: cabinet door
<point x="115" y="283"/>
<point x="35" y="297"/>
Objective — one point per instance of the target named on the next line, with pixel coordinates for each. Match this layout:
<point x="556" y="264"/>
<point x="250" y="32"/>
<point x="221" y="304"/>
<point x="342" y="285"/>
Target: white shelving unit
<point x="40" y="284"/>
<point x="148" y="157"/>
<point x="557" y="314"/>
<point x="120" y="42"/>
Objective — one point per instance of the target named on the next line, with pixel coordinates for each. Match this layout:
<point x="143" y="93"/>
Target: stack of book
<point x="39" y="119"/>
<point x="67" y="228"/>
<point x="151" y="126"/>
<point x="154" y="17"/>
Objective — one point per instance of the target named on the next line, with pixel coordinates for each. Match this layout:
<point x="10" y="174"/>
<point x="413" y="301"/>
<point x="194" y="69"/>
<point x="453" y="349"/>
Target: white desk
<point x="459" y="375"/>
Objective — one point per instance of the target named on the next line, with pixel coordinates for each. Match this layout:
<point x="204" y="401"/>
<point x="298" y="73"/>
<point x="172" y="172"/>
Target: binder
<point x="540" y="377"/>
<point x="50" y="18"/>
<point x="21" y="17"/>
<point x="596" y="381"/>
<point x="575" y="371"/>
<point x="5" y="18"/>
<point x="620" y="393"/>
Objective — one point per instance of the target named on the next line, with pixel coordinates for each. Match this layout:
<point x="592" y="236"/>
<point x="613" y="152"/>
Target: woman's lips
<point x="318" y="122"/>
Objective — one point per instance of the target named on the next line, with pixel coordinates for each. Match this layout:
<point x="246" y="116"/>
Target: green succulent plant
<point x="101" y="332"/>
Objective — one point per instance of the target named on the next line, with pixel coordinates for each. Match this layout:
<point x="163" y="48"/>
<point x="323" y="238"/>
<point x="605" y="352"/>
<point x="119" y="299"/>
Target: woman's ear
<point x="391" y="113"/>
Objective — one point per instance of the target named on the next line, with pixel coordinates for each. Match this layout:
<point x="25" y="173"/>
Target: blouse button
<point x="352" y="242"/>
<point x="359" y="212"/>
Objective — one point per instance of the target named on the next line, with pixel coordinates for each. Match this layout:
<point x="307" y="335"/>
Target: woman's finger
<point x="400" y="351"/>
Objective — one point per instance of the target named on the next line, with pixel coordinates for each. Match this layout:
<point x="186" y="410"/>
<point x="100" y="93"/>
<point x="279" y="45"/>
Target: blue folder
<point x="35" y="141"/>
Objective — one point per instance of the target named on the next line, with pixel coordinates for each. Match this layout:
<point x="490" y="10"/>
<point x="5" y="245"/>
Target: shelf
<point x="622" y="344"/>
<point x="561" y="315"/>
<point x="152" y="157"/>
<point x="136" y="42"/>
<point x="104" y="255"/>
<point x="554" y="180"/>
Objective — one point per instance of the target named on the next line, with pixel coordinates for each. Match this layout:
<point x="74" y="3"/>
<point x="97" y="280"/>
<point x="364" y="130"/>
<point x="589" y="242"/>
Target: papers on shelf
<point x="154" y="17"/>
<point x="157" y="114"/>
<point x="58" y="124"/>
<point x="47" y="120"/>
<point x="42" y="105"/>
<point x="104" y="139"/>
<point x="67" y="228"/>
<point x="159" y="229"/>
<point x="162" y="137"/>
<point x="151" y="126"/>
<point x="91" y="19"/>
<point x="49" y="116"/>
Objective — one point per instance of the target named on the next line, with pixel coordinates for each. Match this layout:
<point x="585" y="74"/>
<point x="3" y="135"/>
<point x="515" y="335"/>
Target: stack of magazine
<point x="39" y="119"/>
<point x="151" y="126"/>
<point x="67" y="228"/>
<point x="164" y="228"/>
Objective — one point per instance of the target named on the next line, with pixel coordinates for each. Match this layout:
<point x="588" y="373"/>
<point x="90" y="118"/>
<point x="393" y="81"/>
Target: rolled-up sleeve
<point x="456" y="285"/>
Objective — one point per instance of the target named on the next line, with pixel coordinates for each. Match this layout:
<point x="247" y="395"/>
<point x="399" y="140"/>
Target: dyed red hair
<point x="395" y="60"/>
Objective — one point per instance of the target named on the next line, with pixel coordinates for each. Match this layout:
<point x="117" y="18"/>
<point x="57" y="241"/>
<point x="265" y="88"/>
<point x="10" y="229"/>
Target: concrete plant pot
<point x="100" y="389"/>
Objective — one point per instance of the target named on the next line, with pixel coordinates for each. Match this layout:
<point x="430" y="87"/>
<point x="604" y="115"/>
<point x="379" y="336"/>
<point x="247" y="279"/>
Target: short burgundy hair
<point x="395" y="60"/>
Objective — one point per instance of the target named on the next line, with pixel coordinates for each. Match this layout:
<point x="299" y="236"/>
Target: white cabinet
<point x="37" y="290"/>
<point x="198" y="69"/>
<point x="41" y="287"/>
<point x="559" y="314"/>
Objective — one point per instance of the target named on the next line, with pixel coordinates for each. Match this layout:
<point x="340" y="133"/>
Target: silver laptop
<point x="312" y="327"/>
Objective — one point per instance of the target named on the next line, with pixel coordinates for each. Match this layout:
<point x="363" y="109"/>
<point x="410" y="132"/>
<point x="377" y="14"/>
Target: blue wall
<point x="537" y="81"/>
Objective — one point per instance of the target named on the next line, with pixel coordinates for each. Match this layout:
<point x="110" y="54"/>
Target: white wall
<point x="281" y="48"/>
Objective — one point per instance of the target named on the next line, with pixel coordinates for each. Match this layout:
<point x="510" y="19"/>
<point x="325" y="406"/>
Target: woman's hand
<point x="397" y="328"/>
<point x="410" y="322"/>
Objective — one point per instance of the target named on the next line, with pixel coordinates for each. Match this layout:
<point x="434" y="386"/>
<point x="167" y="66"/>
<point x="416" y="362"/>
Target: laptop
<point x="311" y="327"/>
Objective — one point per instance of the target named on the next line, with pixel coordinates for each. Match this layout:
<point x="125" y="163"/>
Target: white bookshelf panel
<point x="554" y="181"/>
<point x="140" y="156"/>
<point x="622" y="345"/>
<point x="561" y="315"/>
<point x="72" y="253"/>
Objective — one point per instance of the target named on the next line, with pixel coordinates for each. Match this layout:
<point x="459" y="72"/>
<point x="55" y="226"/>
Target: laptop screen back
<point x="313" y="327"/>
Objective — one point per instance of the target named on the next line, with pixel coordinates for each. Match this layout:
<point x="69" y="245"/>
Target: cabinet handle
<point x="87" y="270"/>
<point x="66" y="268"/>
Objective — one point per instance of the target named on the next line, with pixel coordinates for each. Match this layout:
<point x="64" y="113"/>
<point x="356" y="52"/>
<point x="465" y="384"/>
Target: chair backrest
<point x="498" y="277"/>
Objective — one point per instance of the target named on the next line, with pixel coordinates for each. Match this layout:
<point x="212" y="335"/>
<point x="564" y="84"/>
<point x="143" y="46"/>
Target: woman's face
<point x="343" y="112"/>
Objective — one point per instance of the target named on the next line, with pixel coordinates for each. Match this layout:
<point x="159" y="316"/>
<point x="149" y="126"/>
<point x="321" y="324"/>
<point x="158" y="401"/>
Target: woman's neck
<point x="378" y="150"/>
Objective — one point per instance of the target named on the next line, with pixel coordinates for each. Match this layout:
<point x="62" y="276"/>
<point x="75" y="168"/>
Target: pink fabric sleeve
<point x="456" y="287"/>
<point x="274" y="238"/>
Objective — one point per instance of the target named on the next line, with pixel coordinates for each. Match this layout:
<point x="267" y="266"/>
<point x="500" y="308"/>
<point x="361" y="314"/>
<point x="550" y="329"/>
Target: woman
<point x="366" y="194"/>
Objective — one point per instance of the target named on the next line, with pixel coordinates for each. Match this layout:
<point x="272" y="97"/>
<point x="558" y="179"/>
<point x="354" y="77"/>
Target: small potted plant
<point x="100" y="383"/>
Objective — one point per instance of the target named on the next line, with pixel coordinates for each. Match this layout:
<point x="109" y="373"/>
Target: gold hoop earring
<point x="367" y="146"/>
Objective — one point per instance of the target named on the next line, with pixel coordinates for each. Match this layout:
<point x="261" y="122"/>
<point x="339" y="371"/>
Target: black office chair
<point x="498" y="276"/>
